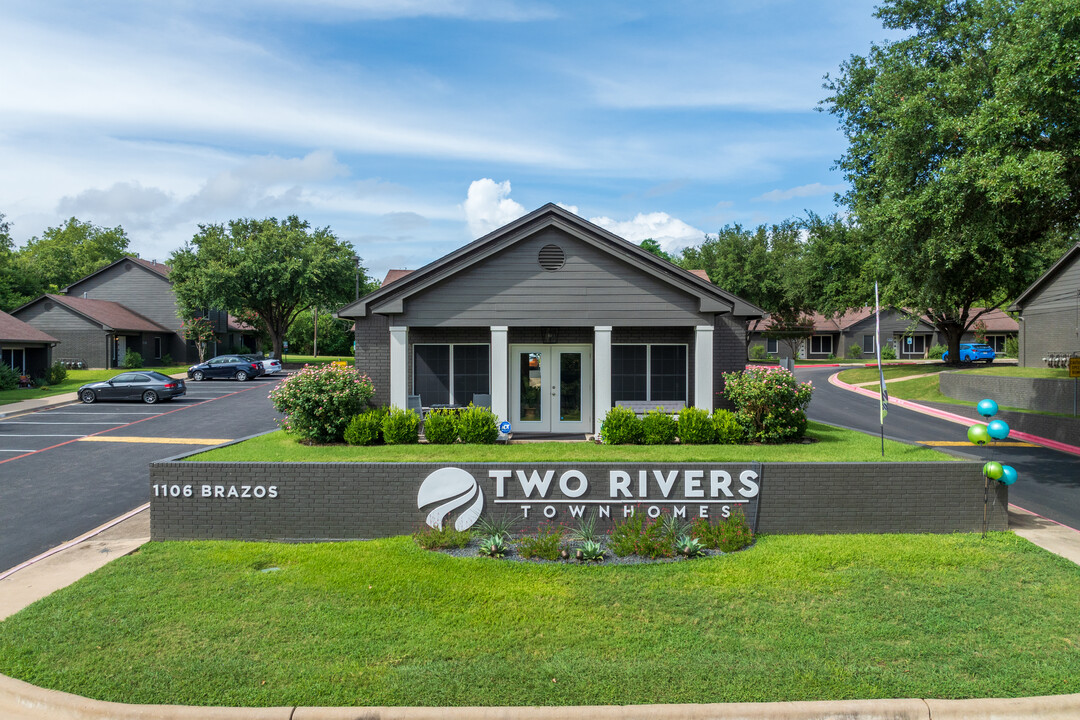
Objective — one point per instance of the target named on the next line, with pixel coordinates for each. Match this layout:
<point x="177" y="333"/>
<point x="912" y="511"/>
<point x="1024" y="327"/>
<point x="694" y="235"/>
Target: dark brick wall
<point x="1040" y="394"/>
<point x="320" y="501"/>
<point x="729" y="355"/>
<point x="373" y="354"/>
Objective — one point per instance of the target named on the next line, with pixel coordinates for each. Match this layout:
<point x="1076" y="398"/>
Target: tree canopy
<point x="268" y="268"/>
<point x="964" y="150"/>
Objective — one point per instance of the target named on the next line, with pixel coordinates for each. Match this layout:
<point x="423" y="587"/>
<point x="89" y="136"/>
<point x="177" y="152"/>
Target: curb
<point x="952" y="417"/>
<point x="22" y="701"/>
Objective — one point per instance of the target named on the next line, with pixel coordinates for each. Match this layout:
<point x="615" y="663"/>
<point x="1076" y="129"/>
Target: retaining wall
<point x="334" y="501"/>
<point x="1040" y="394"/>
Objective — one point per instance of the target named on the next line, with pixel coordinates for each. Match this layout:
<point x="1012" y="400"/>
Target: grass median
<point x="829" y="444"/>
<point x="385" y="623"/>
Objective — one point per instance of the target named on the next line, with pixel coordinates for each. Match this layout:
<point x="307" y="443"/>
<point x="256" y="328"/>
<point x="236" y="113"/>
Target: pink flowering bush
<point x="319" y="401"/>
<point x="770" y="403"/>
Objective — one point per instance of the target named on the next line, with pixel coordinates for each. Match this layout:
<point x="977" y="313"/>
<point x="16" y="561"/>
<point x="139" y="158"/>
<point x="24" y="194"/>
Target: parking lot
<point x="67" y="469"/>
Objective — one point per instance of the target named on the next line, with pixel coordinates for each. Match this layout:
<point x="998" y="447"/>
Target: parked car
<point x="226" y="366"/>
<point x="269" y="365"/>
<point x="971" y="352"/>
<point x="146" y="385"/>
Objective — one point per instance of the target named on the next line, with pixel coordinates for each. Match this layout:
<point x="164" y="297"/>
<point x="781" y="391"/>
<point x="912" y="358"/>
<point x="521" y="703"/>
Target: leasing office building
<point x="557" y="320"/>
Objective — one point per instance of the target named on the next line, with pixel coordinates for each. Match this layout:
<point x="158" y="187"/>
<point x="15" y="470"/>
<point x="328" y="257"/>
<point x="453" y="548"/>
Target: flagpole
<point x="884" y="396"/>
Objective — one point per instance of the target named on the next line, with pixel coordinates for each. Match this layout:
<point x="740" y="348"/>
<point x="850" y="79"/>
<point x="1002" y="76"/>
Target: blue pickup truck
<point x="973" y="352"/>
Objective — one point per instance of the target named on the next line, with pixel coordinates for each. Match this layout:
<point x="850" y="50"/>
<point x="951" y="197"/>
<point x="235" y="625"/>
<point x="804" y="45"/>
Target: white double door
<point x="551" y="388"/>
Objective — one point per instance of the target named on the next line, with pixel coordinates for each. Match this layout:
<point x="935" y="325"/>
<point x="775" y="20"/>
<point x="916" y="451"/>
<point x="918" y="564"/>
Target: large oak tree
<point x="270" y="269"/>
<point x="964" y="150"/>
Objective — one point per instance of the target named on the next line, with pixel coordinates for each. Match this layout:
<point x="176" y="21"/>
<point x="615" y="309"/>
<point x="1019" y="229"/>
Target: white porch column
<point x="601" y="374"/>
<point x="703" y="367"/>
<point x="399" y="343"/>
<point x="500" y="372"/>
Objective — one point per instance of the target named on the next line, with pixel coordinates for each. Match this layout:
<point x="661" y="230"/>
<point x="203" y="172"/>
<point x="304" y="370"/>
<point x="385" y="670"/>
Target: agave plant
<point x="591" y="551"/>
<point x="689" y="546"/>
<point x="501" y="527"/>
<point x="494" y="546"/>
<point x="585" y="530"/>
<point x="674" y="527"/>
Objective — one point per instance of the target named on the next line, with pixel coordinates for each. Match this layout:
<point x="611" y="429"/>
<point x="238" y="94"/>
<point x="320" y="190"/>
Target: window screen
<point x="868" y="344"/>
<point x="668" y="372"/>
<point x="629" y="372"/>
<point x="471" y="372"/>
<point x="772" y="346"/>
<point x="431" y="374"/>
<point x="821" y="344"/>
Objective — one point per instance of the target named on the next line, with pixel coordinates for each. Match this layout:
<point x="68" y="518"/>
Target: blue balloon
<point x="987" y="407"/>
<point x="1008" y="475"/>
<point x="998" y="429"/>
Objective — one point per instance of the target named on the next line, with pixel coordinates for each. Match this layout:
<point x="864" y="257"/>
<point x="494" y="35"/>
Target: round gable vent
<point x="551" y="257"/>
<point x="127" y="266"/>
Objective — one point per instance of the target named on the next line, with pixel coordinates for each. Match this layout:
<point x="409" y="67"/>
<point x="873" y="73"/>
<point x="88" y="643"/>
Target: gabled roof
<point x="1070" y="254"/>
<point x="15" y="330"/>
<point x="392" y="294"/>
<point x="110" y="315"/>
<point x="153" y="266"/>
<point x="393" y="276"/>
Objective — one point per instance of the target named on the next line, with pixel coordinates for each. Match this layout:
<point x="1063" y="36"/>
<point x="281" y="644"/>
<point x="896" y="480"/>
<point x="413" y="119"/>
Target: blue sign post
<point x="504" y="431"/>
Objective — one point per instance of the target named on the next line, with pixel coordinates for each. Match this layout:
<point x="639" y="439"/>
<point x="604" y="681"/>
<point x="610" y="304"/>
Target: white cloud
<point x="671" y="233"/>
<point x="811" y="190"/>
<point x="488" y="206"/>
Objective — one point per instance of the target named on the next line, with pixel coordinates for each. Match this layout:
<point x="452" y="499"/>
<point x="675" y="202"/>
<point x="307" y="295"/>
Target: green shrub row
<point x="394" y="426"/>
<point x="695" y="426"/>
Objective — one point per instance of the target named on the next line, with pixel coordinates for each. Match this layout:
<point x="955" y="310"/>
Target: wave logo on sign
<point x="452" y="488"/>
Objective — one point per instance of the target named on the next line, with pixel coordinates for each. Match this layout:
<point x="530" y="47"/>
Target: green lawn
<point x="312" y="360"/>
<point x="74" y="379"/>
<point x="385" y="623"/>
<point x="832" y="445"/>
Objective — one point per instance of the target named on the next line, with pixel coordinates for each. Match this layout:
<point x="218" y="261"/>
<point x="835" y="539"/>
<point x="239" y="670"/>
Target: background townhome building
<point x="129" y="304"/>
<point x="910" y="337"/>
<point x="24" y="348"/>
<point x="549" y="320"/>
<point x="1050" y="312"/>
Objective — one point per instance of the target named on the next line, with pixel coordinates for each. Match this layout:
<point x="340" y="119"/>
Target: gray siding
<point x="80" y="339"/>
<point x="1052" y="318"/>
<point x="592" y="288"/>
<point x="135" y="287"/>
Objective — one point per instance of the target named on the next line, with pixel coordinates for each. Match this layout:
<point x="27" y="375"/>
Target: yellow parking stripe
<point x="957" y="443"/>
<point x="162" y="441"/>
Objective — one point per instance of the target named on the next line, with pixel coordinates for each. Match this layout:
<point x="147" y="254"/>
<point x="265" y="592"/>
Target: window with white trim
<point x="997" y="342"/>
<point x="772" y="346"/>
<point x="450" y="374"/>
<point x="651" y="373"/>
<point x="915" y="345"/>
<point x="821" y="344"/>
<point x="868" y="344"/>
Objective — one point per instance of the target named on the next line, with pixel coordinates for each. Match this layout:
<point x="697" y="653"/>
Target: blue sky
<point x="412" y="127"/>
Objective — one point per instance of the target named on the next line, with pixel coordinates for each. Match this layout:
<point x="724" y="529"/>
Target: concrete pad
<point x="1049" y="535"/>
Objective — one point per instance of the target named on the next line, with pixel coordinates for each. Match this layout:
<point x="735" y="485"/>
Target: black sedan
<point x="145" y="385"/>
<point x="226" y="366"/>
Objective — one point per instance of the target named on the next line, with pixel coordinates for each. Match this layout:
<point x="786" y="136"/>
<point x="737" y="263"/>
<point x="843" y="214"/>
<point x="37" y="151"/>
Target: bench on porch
<point x="640" y="407"/>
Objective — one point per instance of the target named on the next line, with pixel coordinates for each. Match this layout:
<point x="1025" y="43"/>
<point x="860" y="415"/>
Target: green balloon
<point x="993" y="470"/>
<point x="978" y="434"/>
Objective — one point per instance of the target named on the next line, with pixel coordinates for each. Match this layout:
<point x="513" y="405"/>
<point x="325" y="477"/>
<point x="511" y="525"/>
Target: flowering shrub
<point x="730" y="534"/>
<point x="637" y="535"/>
<point x="771" y="404"/>
<point x="319" y="402"/>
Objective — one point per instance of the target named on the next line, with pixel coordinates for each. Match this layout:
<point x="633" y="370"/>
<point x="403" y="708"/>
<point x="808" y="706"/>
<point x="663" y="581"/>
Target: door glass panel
<point x="530" y="392"/>
<point x="570" y="387"/>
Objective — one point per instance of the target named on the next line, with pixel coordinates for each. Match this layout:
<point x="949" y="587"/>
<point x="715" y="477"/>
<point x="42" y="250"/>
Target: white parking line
<point x="88" y="412"/>
<point x="28" y="435"/>
<point x="35" y="422"/>
<point x="5" y="450"/>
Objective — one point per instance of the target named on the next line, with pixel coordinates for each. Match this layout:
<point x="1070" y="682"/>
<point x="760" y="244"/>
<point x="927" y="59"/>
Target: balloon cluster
<point x="994" y="430"/>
